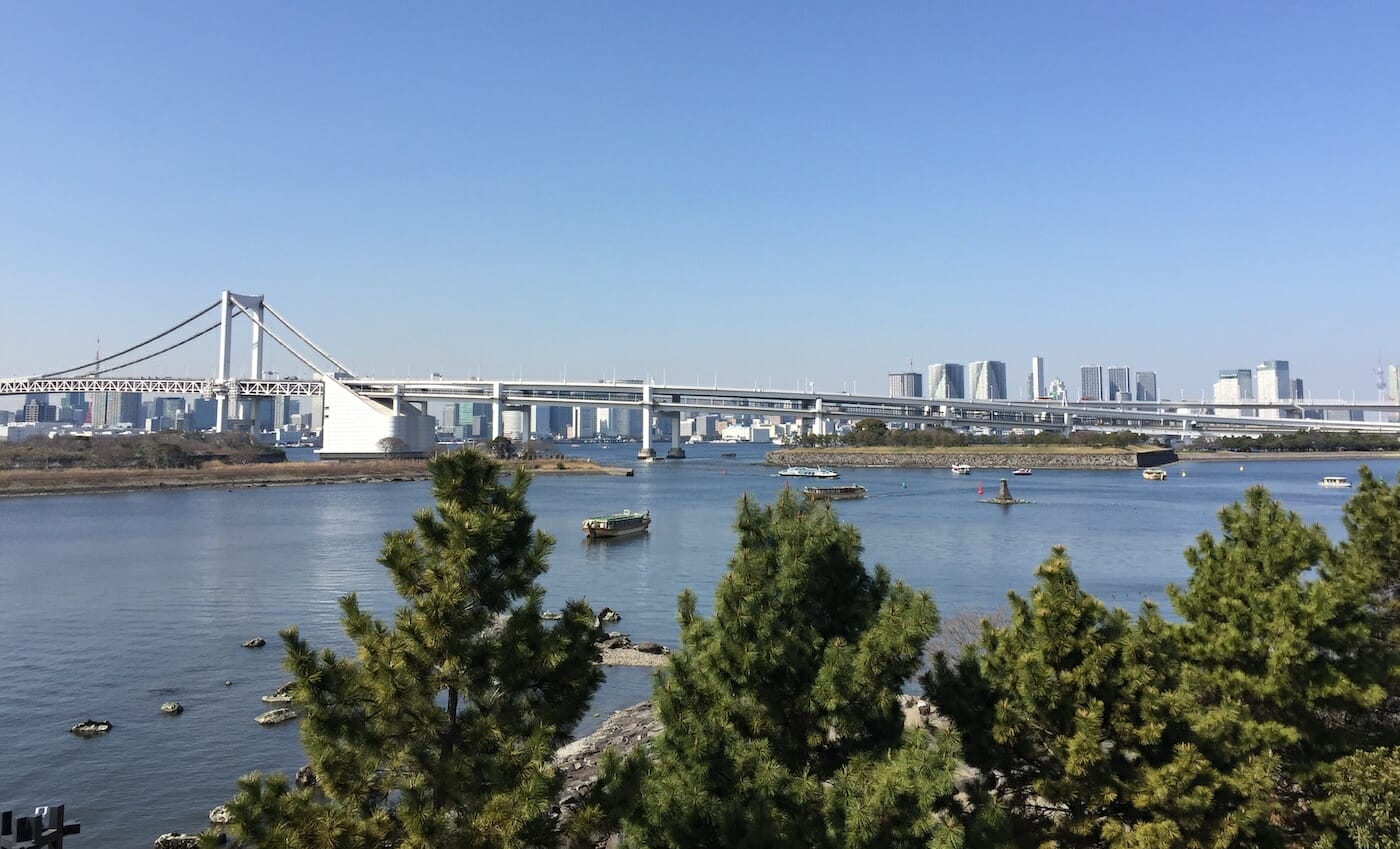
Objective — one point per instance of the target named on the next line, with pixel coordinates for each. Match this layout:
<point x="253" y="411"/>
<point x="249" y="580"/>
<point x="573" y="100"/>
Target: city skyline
<point x="732" y="195"/>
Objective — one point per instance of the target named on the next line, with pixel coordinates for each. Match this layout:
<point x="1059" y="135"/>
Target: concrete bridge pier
<point x="497" y="410"/>
<point x="647" y="451"/>
<point x="676" y="452"/>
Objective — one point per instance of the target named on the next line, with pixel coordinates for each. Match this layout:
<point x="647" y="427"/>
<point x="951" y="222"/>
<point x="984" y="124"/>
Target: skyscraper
<point x="1120" y="386"/>
<point x="906" y="384"/>
<point x="1147" y="386"/>
<point x="1272" y="384"/>
<point x="1091" y="383"/>
<point x="1037" y="386"/>
<point x="987" y="379"/>
<point x="1234" y="386"/>
<point x="110" y="409"/>
<point x="945" y="380"/>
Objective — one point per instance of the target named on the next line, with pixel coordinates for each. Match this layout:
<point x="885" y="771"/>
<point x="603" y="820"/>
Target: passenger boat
<point x="1335" y="482"/>
<point x="1022" y="472"/>
<point x="1154" y="474"/>
<point x="961" y="469"/>
<point x="807" y="472"/>
<point x="833" y="493"/>
<point x="616" y="524"/>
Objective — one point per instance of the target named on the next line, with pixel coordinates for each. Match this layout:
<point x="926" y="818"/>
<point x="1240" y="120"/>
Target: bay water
<point x="113" y="604"/>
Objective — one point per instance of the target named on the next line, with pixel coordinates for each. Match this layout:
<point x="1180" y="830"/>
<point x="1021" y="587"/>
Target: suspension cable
<point x="313" y="345"/>
<point x="213" y="326"/>
<point x="98" y="362"/>
<point x="276" y="339"/>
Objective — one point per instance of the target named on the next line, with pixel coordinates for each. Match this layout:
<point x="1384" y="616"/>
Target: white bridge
<point x="360" y="412"/>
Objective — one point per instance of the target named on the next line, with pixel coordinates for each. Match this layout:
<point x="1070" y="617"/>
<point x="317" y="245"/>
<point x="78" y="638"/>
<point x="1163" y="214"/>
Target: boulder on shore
<point x="578" y="761"/>
<point x="91" y="728"/>
<point x="305" y="777"/>
<point x="220" y="815"/>
<point x="176" y="840"/>
<point x="255" y="643"/>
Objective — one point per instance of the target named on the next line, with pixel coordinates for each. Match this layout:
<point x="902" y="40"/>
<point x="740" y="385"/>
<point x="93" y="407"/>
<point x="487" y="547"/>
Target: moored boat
<point x="1154" y="474"/>
<point x="961" y="469"/>
<point x="1022" y="472"/>
<point x="833" y="493"/>
<point x="1335" y="482"/>
<point x="808" y="472"/>
<point x="616" y="524"/>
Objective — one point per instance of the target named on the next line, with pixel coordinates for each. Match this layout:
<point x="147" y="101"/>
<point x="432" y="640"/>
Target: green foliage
<point x="440" y="731"/>
<point x="867" y="432"/>
<point x="781" y="724"/>
<point x="1279" y="673"/>
<point x="1308" y="440"/>
<point x="1363" y="798"/>
<point x="1064" y="714"/>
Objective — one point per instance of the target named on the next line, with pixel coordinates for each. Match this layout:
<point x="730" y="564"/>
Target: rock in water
<point x="280" y="695"/>
<point x="176" y="840"/>
<point x="276" y="716"/>
<point x="91" y="728"/>
<point x="220" y="815"/>
<point x="305" y="777"/>
<point x="255" y="643"/>
<point x="172" y="708"/>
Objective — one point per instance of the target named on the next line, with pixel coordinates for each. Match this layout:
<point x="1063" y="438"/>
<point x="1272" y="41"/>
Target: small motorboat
<point x="1022" y="472"/>
<point x="961" y="469"/>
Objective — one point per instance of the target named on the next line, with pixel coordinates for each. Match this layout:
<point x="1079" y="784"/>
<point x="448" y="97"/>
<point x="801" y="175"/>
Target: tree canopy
<point x="440" y="731"/>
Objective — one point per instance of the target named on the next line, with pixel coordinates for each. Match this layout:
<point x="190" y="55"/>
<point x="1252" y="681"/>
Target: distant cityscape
<point x="986" y="380"/>
<point x="292" y="421"/>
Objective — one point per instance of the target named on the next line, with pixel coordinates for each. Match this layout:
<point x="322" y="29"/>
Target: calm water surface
<point x="112" y="604"/>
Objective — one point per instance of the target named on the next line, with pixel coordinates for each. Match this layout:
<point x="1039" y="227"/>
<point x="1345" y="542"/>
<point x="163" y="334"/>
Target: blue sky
<point x="748" y="193"/>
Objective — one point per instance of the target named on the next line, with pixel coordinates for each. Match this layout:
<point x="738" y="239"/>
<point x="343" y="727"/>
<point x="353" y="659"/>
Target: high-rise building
<point x="946" y="380"/>
<point x="1091" y="383"/>
<point x="1271" y="385"/>
<point x="1146" y="386"/>
<point x="1234" y="386"/>
<point x="987" y="379"/>
<point x="1298" y="394"/>
<point x="906" y="384"/>
<point x="1392" y="383"/>
<point x="1037" y="387"/>
<point x="110" y="409"/>
<point x="1120" y="386"/>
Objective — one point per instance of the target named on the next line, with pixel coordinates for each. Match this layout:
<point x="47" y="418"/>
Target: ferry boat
<point x="616" y="524"/>
<point x="1154" y="474"/>
<point x="1335" y="482"/>
<point x="833" y="493"/>
<point x="808" y="472"/>
<point x="961" y="469"/>
<point x="1021" y="472"/>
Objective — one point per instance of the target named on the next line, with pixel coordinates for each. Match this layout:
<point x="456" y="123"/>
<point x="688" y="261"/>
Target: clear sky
<point x="741" y="192"/>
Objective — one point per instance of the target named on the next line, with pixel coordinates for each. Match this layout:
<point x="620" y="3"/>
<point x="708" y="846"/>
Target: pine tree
<point x="781" y="721"/>
<point x="1064" y="715"/>
<point x="1279" y="674"/>
<point x="440" y="731"/>
<point x="1371" y="554"/>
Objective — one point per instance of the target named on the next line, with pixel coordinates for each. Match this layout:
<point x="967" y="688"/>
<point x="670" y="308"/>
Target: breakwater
<point x="978" y="457"/>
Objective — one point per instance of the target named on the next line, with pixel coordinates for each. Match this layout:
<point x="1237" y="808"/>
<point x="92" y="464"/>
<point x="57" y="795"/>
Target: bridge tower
<point x="253" y="304"/>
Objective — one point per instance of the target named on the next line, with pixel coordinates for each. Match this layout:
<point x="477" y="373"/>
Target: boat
<point x="833" y="493"/>
<point x="808" y="472"/>
<point x="729" y="454"/>
<point x="961" y="469"/>
<point x="1335" y="482"/>
<point x="1022" y="472"/>
<point x="616" y="524"/>
<point x="1154" y="474"/>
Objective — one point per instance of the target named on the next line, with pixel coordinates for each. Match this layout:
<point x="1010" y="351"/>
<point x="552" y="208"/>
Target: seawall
<point x="1012" y="457"/>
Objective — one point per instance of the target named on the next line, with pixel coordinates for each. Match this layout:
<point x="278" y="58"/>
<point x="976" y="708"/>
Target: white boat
<point x="1335" y="482"/>
<point x="961" y="469"/>
<point x="616" y="524"/>
<point x="1154" y="474"/>
<point x="1022" y="472"/>
<point x="808" y="472"/>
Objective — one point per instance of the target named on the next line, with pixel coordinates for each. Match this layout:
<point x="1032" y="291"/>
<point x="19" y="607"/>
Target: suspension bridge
<point x="360" y="412"/>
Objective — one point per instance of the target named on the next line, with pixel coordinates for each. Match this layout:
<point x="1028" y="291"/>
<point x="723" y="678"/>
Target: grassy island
<point x="979" y="456"/>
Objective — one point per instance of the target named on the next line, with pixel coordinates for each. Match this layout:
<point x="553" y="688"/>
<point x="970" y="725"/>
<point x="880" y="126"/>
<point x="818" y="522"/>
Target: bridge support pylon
<point x="647" y="451"/>
<point x="676" y="452"/>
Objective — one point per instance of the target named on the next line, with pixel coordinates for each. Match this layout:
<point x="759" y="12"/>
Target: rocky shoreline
<point x="978" y="457"/>
<point x="19" y="483"/>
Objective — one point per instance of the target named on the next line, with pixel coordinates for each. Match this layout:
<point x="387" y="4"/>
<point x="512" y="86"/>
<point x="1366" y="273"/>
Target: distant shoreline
<point x="16" y="483"/>
<point x="1271" y="456"/>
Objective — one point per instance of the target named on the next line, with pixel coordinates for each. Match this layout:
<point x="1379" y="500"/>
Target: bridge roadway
<point x="818" y="407"/>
